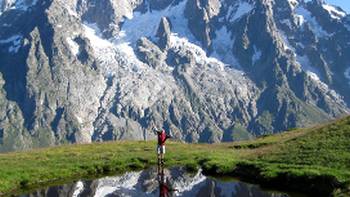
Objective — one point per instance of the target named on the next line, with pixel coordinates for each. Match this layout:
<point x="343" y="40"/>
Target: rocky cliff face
<point x="206" y="70"/>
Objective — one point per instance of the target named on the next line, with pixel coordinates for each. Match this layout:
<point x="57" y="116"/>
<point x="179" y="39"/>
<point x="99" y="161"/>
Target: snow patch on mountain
<point x="299" y="20"/>
<point x="118" y="59"/>
<point x="111" y="53"/>
<point x="146" y="24"/>
<point x="306" y="65"/>
<point x="6" y="24"/>
<point x="304" y="16"/>
<point x="334" y="12"/>
<point x="95" y="36"/>
<point x="74" y="47"/>
<point x="5" y="5"/>
<point x="209" y="73"/>
<point x="347" y="27"/>
<point x="286" y="44"/>
<point x="347" y="74"/>
<point x="237" y="11"/>
<point x="10" y="39"/>
<point x="303" y="60"/>
<point x="287" y="22"/>
<point x="22" y="5"/>
<point x="257" y="55"/>
<point x="313" y="73"/>
<point x="14" y="41"/>
<point x="104" y="50"/>
<point x="200" y="56"/>
<point x="222" y="47"/>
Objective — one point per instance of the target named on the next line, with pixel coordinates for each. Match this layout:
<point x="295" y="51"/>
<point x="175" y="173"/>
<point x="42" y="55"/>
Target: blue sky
<point x="345" y="4"/>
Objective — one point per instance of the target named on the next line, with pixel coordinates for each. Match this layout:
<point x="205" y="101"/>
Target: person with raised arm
<point x="162" y="137"/>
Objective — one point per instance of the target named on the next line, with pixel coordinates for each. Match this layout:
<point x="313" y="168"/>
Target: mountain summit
<point x="206" y="70"/>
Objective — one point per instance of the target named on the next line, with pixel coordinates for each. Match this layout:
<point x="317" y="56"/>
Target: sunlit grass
<point x="318" y="155"/>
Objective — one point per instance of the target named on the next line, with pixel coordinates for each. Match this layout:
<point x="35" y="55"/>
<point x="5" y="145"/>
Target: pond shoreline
<point x="321" y="185"/>
<point x="111" y="176"/>
<point x="311" y="185"/>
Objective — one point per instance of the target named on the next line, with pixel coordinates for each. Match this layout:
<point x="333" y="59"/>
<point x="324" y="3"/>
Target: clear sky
<point x="344" y="4"/>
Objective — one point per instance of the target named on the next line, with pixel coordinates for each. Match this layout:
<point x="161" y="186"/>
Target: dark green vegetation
<point x="314" y="160"/>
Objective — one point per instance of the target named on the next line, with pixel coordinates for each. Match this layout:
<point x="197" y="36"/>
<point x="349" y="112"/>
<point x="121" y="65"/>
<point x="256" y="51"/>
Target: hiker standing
<point x="162" y="137"/>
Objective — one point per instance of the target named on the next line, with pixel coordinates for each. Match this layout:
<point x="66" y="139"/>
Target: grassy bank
<point x="314" y="160"/>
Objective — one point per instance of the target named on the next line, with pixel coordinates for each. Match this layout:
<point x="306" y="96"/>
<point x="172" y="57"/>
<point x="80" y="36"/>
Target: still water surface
<point x="152" y="182"/>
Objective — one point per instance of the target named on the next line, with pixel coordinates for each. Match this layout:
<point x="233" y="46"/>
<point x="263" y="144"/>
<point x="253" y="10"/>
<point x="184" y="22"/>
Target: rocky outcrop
<point x="199" y="14"/>
<point x="163" y="34"/>
<point x="150" y="53"/>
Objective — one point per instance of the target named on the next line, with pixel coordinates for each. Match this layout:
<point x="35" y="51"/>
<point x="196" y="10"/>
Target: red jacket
<point x="162" y="137"/>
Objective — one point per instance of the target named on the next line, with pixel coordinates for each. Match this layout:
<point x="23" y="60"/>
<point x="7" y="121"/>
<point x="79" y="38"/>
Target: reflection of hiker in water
<point x="162" y="137"/>
<point x="164" y="189"/>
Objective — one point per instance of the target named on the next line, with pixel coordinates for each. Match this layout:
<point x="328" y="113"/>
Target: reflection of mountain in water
<point x="145" y="183"/>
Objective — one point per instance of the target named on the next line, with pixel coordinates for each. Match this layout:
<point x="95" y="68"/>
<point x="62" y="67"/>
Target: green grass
<point x="313" y="160"/>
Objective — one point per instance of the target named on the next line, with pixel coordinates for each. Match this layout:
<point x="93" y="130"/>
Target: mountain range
<point x="77" y="71"/>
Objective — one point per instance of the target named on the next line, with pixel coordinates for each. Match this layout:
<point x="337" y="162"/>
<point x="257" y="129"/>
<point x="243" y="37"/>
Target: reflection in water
<point x="157" y="182"/>
<point x="165" y="188"/>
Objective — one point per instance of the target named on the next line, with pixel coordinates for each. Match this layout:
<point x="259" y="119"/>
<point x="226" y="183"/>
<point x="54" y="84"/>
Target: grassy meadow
<point x="314" y="160"/>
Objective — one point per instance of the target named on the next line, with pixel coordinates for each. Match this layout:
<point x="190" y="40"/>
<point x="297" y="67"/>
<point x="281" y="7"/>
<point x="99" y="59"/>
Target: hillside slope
<point x="314" y="161"/>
